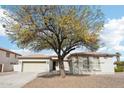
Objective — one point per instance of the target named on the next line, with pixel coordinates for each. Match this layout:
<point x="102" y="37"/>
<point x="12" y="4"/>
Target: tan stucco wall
<point x="2" y="53"/>
<point x="12" y="55"/>
<point x="105" y="65"/>
<point x="7" y="60"/>
<point x="50" y="65"/>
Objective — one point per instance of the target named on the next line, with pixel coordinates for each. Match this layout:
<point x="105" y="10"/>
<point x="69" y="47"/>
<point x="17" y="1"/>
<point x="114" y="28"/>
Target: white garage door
<point x="35" y="67"/>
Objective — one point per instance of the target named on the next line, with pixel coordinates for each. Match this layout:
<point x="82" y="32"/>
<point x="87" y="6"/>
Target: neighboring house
<point x="7" y="60"/>
<point x="38" y="63"/>
<point x="91" y="63"/>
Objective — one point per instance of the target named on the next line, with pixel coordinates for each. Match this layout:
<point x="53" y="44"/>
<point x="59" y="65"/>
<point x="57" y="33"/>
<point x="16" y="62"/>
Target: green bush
<point x="119" y="66"/>
<point x="119" y="69"/>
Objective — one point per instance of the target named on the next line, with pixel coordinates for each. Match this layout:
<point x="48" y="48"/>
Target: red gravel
<point x="92" y="81"/>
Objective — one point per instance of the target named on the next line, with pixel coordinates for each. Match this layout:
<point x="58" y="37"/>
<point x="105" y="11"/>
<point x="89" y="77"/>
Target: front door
<point x="54" y="65"/>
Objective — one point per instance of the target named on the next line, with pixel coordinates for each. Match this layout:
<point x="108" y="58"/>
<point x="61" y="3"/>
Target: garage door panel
<point x="35" y="67"/>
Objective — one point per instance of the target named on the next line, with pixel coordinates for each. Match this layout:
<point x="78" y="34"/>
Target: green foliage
<point x="121" y="63"/>
<point x="119" y="69"/>
<point x="119" y="66"/>
<point x="61" y="28"/>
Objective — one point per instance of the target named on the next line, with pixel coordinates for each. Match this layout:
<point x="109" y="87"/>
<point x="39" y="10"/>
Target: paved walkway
<point x="16" y="79"/>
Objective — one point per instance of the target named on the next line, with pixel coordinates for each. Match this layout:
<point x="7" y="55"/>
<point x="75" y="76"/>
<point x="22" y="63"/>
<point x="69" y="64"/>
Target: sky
<point x="112" y="34"/>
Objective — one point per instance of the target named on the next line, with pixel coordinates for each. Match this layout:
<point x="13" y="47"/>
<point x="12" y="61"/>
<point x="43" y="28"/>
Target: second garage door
<point x="35" y="67"/>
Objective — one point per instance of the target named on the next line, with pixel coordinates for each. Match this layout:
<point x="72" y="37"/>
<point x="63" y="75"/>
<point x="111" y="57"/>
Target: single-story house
<point x="38" y="63"/>
<point x="76" y="63"/>
<point x="7" y="60"/>
<point x="91" y="63"/>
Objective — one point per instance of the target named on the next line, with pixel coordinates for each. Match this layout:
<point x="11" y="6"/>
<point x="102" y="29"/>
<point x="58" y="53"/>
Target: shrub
<point x="120" y="64"/>
<point x="119" y="69"/>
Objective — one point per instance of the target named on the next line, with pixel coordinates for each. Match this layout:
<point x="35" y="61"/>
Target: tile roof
<point x="35" y="56"/>
<point x="3" y="49"/>
<point x="97" y="54"/>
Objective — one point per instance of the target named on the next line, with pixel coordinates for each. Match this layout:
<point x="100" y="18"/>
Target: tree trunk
<point x="61" y="68"/>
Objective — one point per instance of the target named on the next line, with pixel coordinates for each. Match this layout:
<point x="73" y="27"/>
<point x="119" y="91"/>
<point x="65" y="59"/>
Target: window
<point x="95" y="63"/>
<point x="83" y="62"/>
<point x="7" y="54"/>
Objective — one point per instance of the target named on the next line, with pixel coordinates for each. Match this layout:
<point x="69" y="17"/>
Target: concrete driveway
<point x="16" y="79"/>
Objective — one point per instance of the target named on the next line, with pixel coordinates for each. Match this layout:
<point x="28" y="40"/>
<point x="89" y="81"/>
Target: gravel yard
<point x="86" y="81"/>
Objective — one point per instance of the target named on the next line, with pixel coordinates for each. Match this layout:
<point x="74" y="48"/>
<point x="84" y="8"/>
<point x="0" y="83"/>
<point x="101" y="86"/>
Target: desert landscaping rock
<point x="92" y="81"/>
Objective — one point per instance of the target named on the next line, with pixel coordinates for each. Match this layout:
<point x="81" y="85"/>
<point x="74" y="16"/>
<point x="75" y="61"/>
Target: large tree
<point x="60" y="28"/>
